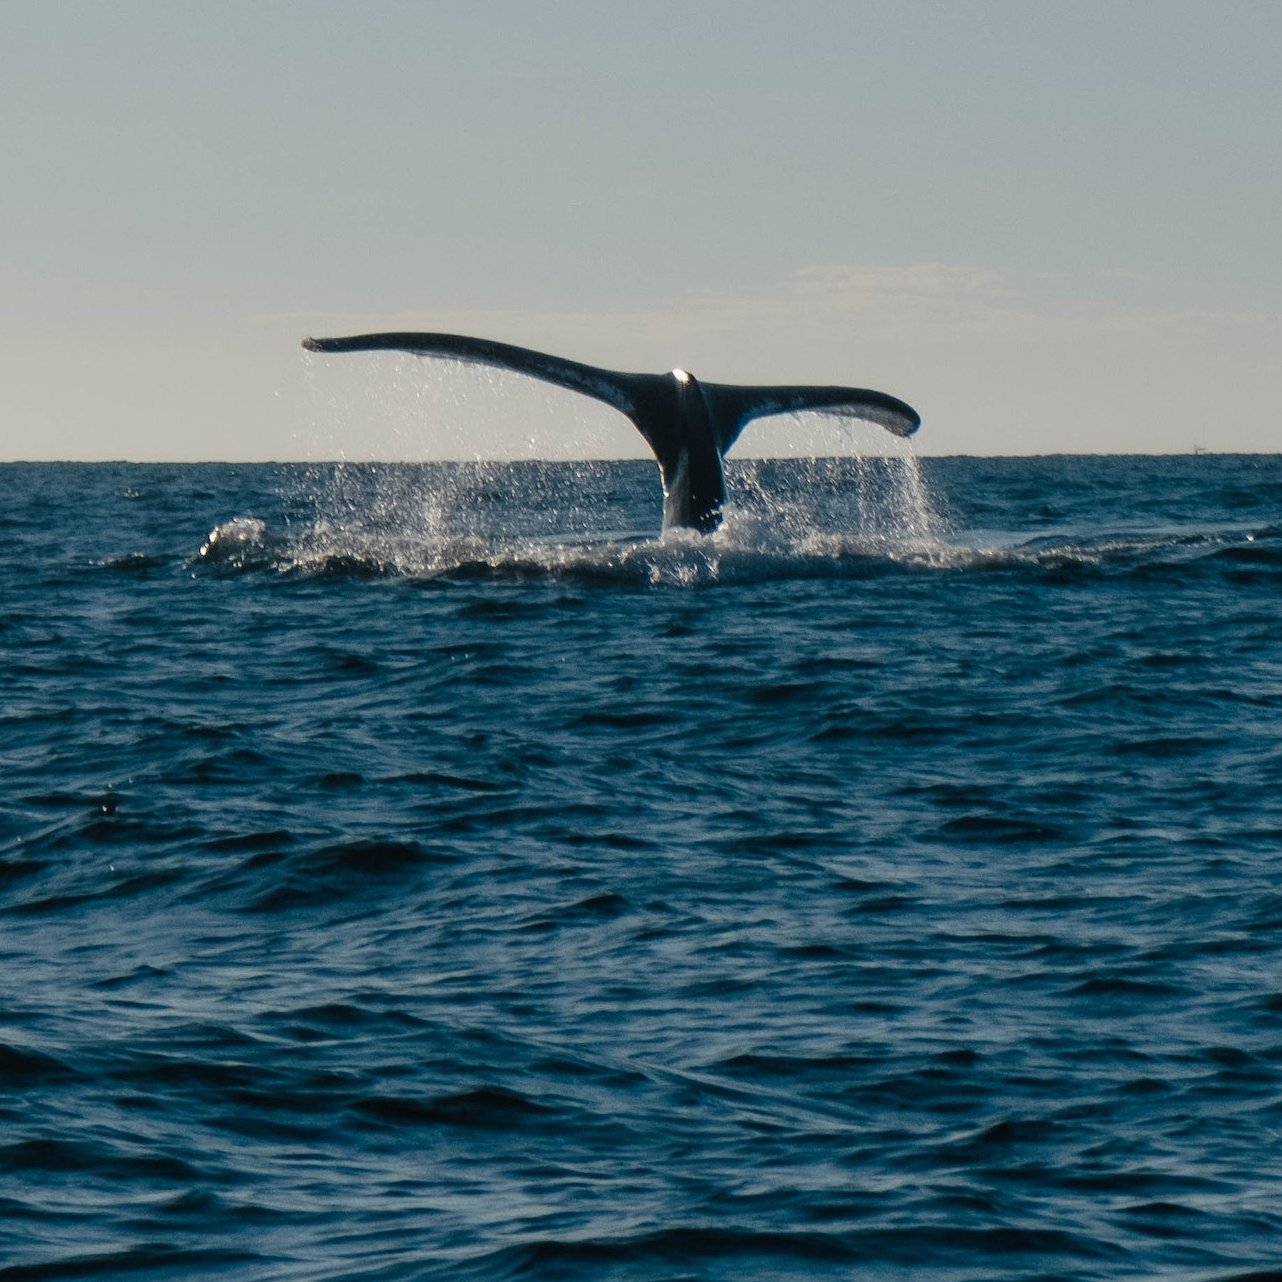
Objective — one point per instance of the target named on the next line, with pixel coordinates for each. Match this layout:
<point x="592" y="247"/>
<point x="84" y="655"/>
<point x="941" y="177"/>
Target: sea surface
<point x="427" y="872"/>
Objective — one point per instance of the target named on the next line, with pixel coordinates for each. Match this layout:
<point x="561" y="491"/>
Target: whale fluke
<point x="687" y="423"/>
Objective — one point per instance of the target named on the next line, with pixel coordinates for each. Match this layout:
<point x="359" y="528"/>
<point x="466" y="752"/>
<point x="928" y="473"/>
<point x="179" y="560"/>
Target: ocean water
<point x="426" y="872"/>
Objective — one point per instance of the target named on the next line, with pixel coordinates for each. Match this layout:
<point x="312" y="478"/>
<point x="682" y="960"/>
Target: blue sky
<point x="1050" y="227"/>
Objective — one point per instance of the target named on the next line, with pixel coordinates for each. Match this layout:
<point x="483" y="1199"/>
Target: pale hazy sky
<point x="1049" y="226"/>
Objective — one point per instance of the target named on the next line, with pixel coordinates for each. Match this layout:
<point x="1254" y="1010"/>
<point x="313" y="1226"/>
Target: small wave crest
<point x="1072" y="554"/>
<point x="240" y="544"/>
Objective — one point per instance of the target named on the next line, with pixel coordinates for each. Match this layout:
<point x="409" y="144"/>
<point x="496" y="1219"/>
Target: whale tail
<point x="688" y="424"/>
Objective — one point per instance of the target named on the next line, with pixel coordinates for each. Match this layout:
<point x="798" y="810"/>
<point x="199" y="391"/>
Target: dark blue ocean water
<point x="434" y="876"/>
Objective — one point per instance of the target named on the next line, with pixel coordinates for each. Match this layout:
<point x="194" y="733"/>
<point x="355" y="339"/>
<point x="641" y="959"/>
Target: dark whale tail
<point x="688" y="424"/>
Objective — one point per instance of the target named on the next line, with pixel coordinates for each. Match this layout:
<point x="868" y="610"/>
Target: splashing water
<point x="842" y="491"/>
<point x="878" y="505"/>
<point x="785" y="517"/>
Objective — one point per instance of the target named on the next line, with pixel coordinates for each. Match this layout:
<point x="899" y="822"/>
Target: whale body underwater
<point x="690" y="425"/>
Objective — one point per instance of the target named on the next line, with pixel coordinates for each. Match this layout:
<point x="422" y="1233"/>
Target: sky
<point x="1049" y="227"/>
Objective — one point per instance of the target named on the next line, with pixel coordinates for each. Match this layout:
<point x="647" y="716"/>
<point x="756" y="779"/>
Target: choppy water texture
<point x="430" y="874"/>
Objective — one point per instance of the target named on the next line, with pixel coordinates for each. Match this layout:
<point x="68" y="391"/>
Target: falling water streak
<point x="922" y="522"/>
